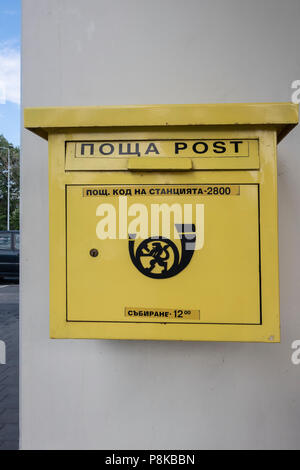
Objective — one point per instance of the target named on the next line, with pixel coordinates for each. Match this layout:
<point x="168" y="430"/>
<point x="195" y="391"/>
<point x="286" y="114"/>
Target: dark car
<point x="9" y="254"/>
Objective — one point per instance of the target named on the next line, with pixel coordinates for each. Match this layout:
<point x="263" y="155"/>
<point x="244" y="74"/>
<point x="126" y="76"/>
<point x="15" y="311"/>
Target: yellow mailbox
<point x="163" y="220"/>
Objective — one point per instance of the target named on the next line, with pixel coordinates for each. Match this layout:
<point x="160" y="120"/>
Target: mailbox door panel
<point x="213" y="281"/>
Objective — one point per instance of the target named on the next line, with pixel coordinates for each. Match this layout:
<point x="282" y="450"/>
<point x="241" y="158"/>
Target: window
<point x="5" y="241"/>
<point x="17" y="241"/>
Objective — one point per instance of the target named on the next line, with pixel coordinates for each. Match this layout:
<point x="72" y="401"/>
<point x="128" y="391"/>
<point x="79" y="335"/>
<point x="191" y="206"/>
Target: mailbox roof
<point x="281" y="116"/>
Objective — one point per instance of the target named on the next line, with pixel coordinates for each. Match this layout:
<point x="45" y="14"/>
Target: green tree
<point x="14" y="185"/>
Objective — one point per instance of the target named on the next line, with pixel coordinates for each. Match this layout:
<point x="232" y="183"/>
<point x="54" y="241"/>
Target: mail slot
<point x="163" y="220"/>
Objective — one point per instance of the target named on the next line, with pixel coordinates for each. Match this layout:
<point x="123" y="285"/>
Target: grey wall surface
<point x="110" y="394"/>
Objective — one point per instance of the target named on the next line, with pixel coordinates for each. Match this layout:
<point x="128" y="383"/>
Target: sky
<point x="10" y="37"/>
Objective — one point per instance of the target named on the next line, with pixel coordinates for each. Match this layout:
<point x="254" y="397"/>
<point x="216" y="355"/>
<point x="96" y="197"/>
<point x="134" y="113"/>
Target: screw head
<point x="94" y="253"/>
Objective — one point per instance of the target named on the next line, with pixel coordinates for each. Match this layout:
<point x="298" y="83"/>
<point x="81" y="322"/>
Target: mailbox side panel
<point x="57" y="228"/>
<point x="269" y="236"/>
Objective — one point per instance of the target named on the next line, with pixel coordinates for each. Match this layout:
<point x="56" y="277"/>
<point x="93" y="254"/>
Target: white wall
<point x="110" y="394"/>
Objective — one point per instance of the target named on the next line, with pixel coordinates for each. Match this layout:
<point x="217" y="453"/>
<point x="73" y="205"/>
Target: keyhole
<point x="94" y="253"/>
